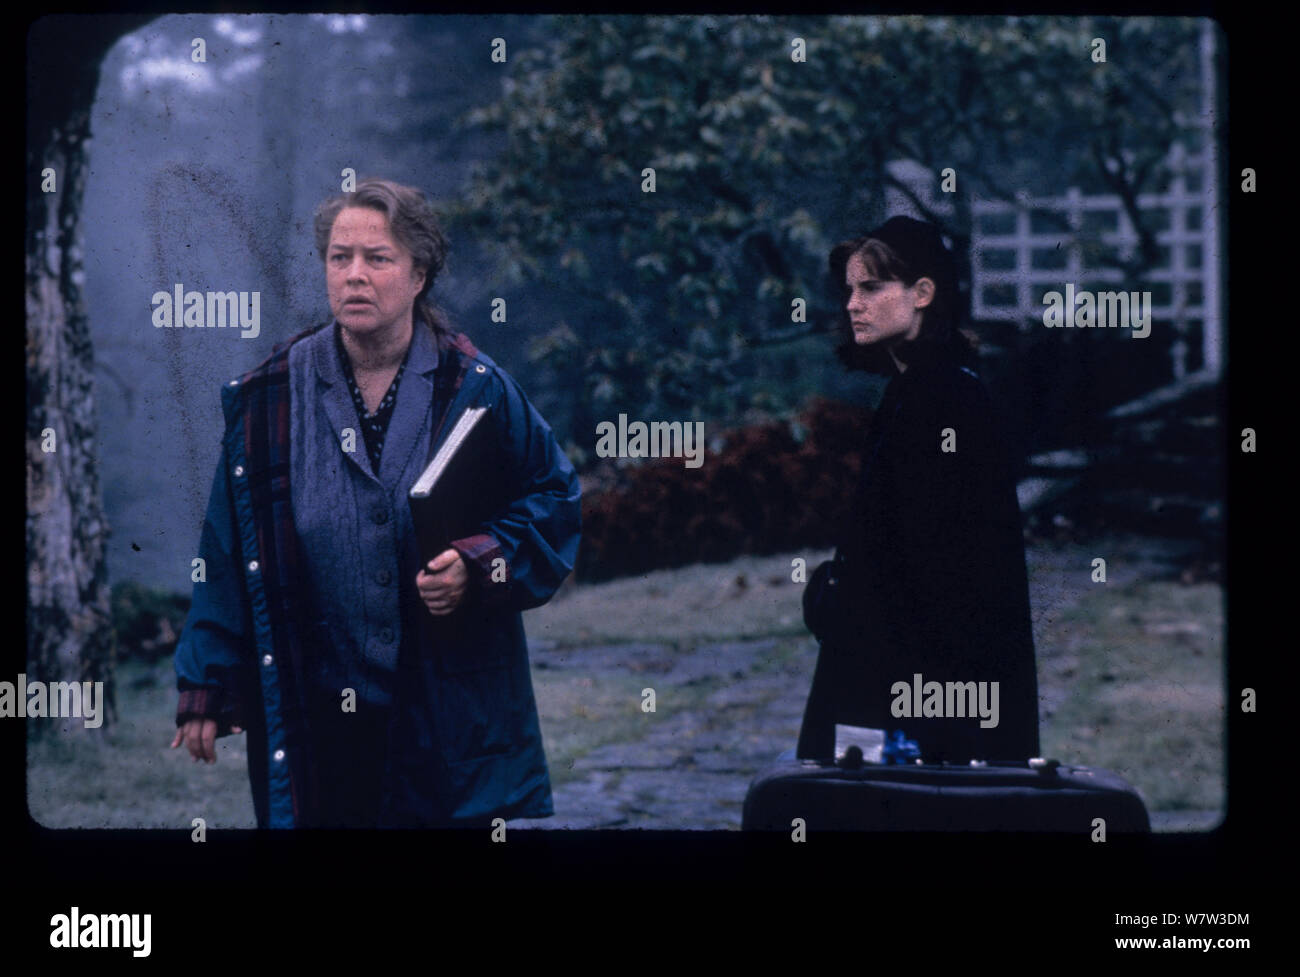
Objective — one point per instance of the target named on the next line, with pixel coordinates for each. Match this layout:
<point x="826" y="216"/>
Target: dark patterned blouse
<point x="373" y="426"/>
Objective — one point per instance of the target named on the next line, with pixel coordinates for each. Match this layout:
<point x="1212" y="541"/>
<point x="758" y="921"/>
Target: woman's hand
<point x="443" y="582"/>
<point x="200" y="735"/>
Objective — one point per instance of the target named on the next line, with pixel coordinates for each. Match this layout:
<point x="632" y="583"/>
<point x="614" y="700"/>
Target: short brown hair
<point x="414" y="225"/>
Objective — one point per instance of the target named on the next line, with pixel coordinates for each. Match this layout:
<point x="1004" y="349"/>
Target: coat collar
<point x="414" y="399"/>
<point x="927" y="365"/>
<point x="422" y="359"/>
<point x="465" y="367"/>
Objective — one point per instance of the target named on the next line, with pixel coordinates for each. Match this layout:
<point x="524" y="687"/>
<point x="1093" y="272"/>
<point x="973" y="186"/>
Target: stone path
<point x="693" y="767"/>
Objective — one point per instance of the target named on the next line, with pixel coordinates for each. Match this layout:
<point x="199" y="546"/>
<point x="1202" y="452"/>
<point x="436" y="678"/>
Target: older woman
<point x="376" y="691"/>
<point x="929" y="577"/>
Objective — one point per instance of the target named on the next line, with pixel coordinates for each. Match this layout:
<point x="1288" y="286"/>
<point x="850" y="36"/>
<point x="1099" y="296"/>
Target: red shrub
<point x="764" y="492"/>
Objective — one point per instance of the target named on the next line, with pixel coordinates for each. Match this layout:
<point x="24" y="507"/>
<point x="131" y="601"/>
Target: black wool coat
<point x="931" y="576"/>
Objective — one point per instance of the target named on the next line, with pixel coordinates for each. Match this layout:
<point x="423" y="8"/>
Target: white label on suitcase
<point x="870" y="741"/>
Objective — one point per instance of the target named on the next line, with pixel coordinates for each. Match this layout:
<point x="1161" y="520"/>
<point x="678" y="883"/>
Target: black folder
<point x="459" y="487"/>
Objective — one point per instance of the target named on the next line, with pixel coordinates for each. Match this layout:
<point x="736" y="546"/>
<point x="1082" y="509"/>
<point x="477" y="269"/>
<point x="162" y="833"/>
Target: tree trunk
<point x="69" y="629"/>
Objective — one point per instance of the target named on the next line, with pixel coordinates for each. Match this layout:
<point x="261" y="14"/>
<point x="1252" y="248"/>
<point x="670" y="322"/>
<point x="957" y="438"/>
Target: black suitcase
<point x="1030" y="796"/>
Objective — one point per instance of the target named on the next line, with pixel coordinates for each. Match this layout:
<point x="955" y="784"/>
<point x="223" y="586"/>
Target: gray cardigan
<point x="355" y="526"/>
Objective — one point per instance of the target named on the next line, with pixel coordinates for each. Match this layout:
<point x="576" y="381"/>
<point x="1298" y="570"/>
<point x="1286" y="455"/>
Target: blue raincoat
<point x="466" y="744"/>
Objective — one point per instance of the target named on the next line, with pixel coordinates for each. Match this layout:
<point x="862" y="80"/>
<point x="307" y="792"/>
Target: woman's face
<point x="371" y="280"/>
<point x="881" y="311"/>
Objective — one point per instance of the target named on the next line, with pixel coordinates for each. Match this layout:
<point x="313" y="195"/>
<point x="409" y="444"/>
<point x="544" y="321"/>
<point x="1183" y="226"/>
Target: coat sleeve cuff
<point x="481" y="553"/>
<point x="214" y="704"/>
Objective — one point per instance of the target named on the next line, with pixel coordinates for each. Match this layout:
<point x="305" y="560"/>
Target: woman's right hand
<point x="200" y="735"/>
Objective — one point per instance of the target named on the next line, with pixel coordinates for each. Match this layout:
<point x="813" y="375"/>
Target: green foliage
<point x="147" y="620"/>
<point x="762" y="162"/>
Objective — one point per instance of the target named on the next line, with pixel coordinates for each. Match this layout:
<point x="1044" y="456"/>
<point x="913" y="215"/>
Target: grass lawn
<point x="1144" y="676"/>
<point x="126" y="777"/>
<point x="749" y="597"/>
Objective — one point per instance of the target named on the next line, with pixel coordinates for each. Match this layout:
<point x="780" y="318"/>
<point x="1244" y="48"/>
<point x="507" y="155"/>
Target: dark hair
<point x="939" y="335"/>
<point x="415" y="227"/>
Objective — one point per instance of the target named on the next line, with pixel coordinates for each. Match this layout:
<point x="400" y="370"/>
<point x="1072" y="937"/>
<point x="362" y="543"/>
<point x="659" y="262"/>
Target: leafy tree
<point x="761" y="161"/>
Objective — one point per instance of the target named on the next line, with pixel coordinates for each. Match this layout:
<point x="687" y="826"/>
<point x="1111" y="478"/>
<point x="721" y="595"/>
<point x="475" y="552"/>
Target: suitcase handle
<point x="853" y="760"/>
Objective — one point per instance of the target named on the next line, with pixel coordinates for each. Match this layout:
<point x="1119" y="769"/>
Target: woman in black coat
<point x="929" y="577"/>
